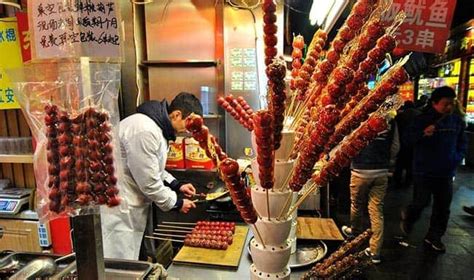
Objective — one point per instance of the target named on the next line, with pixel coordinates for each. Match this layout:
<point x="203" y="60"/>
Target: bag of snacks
<point x="72" y="110"/>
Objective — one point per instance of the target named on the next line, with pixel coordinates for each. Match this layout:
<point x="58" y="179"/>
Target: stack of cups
<point x="271" y="255"/>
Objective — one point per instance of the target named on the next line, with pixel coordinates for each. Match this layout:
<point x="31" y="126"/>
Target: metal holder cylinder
<point x="87" y="235"/>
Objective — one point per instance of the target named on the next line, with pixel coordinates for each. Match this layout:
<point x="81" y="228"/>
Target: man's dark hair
<point x="187" y="103"/>
<point x="442" y="92"/>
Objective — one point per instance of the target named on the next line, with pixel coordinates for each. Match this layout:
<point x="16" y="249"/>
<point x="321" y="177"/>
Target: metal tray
<point x="124" y="269"/>
<point x="114" y="268"/>
<point x="306" y="254"/>
<point x="15" y="261"/>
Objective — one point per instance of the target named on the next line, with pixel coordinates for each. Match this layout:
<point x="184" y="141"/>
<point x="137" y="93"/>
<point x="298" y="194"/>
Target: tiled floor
<point x="416" y="261"/>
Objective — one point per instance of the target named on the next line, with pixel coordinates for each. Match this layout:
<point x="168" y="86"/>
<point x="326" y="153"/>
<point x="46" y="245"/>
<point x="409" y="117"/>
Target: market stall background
<point x="148" y="69"/>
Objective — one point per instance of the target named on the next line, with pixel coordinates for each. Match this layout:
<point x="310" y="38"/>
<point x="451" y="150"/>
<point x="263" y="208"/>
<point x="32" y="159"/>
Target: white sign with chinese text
<point x="64" y="29"/>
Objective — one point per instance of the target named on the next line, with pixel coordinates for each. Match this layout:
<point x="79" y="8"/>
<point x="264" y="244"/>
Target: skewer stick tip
<point x="259" y="236"/>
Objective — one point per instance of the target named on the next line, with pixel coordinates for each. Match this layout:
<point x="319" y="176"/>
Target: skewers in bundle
<point x="388" y="86"/>
<point x="359" y="14"/>
<point x="361" y="93"/>
<point x="351" y="147"/>
<point x="313" y="147"/>
<point x="80" y="159"/>
<point x="384" y="45"/>
<point x="226" y="236"/>
<point x="346" y="268"/>
<point x="374" y="44"/>
<point x="340" y="260"/>
<point x="361" y="11"/>
<point x="362" y="58"/>
<point x="310" y="62"/>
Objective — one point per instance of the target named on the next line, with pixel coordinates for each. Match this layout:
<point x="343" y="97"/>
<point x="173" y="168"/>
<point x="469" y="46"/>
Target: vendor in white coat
<point x="144" y="140"/>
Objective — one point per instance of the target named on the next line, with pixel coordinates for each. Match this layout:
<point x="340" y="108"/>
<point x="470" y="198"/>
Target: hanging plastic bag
<point x="72" y="110"/>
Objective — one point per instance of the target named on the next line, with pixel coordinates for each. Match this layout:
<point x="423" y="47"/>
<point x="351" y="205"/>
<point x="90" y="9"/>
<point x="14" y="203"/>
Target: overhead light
<point x="319" y="10"/>
<point x="325" y="13"/>
<point x="334" y="13"/>
<point x="8" y="3"/>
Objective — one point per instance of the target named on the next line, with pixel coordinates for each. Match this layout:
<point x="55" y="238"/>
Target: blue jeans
<point x="442" y="191"/>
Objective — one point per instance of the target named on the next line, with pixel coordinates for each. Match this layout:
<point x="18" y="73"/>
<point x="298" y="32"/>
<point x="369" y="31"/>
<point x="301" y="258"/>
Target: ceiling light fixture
<point x="324" y="13"/>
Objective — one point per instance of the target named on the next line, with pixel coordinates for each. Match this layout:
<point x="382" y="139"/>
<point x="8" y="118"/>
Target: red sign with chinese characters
<point x="407" y="91"/>
<point x="426" y="27"/>
<point x="24" y="33"/>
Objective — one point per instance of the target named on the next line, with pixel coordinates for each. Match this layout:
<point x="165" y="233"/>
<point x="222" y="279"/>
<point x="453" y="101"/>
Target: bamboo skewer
<point x="288" y="178"/>
<point x="301" y="199"/>
<point x="287" y="181"/>
<point x="268" y="204"/>
<point x="259" y="236"/>
<point x="288" y="200"/>
<point x="177" y="227"/>
<point x="179" y="223"/>
<point x="168" y="235"/>
<point x="164" y="239"/>
<point x="173" y="230"/>
<point x="290" y="107"/>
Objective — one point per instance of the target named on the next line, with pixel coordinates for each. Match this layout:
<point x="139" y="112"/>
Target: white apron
<point x="144" y="152"/>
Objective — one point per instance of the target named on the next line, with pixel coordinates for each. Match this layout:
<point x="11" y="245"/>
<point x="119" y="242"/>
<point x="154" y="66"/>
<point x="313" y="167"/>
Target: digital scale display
<point x="14" y="200"/>
<point x="8" y="205"/>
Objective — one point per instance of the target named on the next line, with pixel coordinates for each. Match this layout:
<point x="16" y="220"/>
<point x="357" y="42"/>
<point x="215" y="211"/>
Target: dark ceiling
<point x="297" y="18"/>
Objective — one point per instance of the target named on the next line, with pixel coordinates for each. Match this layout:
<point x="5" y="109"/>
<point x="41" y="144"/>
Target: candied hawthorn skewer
<point x="237" y="111"/>
<point x="269" y="30"/>
<point x="276" y="73"/>
<point x="264" y="133"/>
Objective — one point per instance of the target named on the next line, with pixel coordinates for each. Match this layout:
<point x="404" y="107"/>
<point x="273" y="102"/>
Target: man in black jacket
<point x="438" y="140"/>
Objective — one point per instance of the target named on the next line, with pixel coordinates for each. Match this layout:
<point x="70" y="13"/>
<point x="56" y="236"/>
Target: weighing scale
<point x="14" y="200"/>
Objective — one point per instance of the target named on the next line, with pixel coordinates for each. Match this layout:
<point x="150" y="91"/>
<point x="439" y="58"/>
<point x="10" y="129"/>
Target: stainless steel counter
<point x="187" y="272"/>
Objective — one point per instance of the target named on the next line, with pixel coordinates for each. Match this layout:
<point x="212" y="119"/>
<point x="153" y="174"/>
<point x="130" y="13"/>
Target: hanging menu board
<point x="64" y="29"/>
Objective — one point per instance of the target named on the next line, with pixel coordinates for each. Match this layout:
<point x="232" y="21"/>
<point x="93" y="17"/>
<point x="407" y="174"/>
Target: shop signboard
<point x="10" y="57"/>
<point x="81" y="28"/>
<point x="426" y="26"/>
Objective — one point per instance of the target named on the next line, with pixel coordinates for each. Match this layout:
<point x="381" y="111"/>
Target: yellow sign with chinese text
<point x="10" y="57"/>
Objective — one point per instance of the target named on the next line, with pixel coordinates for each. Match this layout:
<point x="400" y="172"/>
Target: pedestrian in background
<point x="439" y="145"/>
<point x="369" y="180"/>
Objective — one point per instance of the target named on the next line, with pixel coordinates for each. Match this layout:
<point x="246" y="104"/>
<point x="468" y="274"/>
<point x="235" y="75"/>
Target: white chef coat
<point x="144" y="152"/>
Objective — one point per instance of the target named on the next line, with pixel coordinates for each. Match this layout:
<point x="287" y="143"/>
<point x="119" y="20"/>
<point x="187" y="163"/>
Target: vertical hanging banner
<point x="10" y="57"/>
<point x="24" y="35"/>
<point x="427" y="25"/>
<point x="80" y="28"/>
